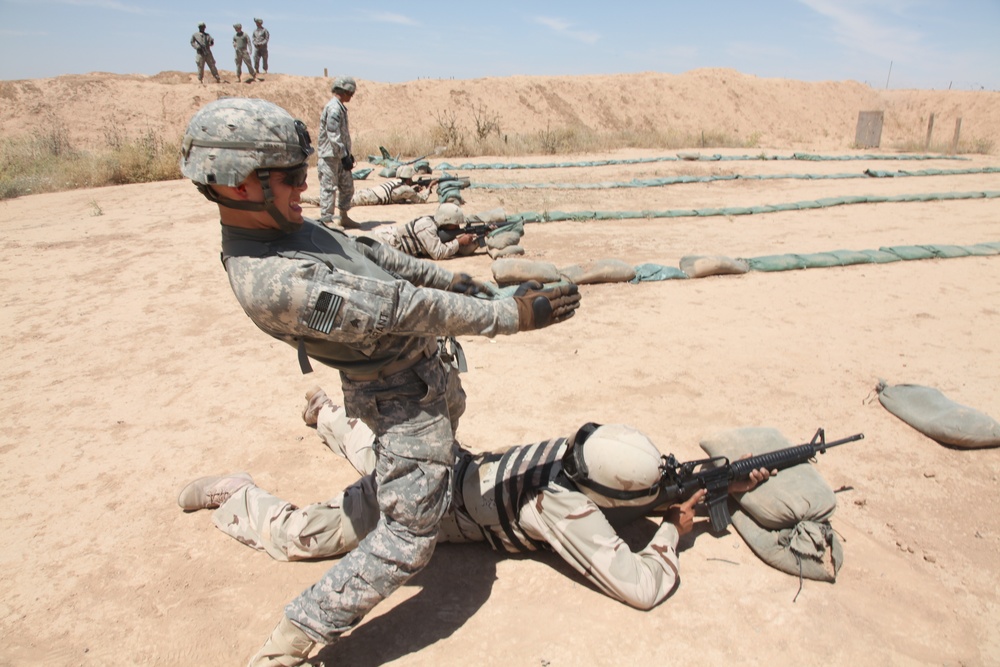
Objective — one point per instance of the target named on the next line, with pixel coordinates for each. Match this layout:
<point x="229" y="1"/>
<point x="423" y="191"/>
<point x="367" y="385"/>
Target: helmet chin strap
<point x="264" y="175"/>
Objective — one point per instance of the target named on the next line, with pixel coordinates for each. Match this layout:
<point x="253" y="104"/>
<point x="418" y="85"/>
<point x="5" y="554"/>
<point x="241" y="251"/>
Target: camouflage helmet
<point x="448" y="215"/>
<point x="238" y="26"/>
<point x="230" y="138"/>
<point x="201" y="25"/>
<point x="613" y="465"/>
<point x="258" y="20"/>
<point x="406" y="171"/>
<point x="344" y="83"/>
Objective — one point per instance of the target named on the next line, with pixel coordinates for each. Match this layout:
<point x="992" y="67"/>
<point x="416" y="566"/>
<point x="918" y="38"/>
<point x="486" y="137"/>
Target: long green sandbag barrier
<point x="674" y="180"/>
<point x="558" y="216"/>
<point x="816" y="260"/>
<point x="883" y="255"/>
<point x="693" y="157"/>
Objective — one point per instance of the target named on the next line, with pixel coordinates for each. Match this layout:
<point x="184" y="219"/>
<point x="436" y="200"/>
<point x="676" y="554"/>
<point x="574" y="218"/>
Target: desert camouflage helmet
<point x="233" y="137"/>
<point x="448" y="215"/>
<point x="201" y="25"/>
<point x="344" y="83"/>
<point x="238" y="26"/>
<point x="258" y="20"/>
<point x="613" y="465"/>
<point x="406" y="171"/>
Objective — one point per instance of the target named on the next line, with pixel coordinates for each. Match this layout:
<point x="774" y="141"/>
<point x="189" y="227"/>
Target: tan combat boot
<point x="210" y="492"/>
<point x="346" y="222"/>
<point x="316" y="398"/>
<point x="287" y="646"/>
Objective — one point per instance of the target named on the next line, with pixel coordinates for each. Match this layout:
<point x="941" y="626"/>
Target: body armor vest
<point x="495" y="486"/>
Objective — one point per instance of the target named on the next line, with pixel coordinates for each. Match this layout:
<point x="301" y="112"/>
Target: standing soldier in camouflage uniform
<point x="335" y="158"/>
<point x="202" y="43"/>
<point x="422" y="237"/>
<point x="260" y="39"/>
<point x="379" y="317"/>
<point x="523" y="499"/>
<point x="241" y="45"/>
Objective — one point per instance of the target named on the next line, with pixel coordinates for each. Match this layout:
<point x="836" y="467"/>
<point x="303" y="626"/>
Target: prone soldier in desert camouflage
<point x="557" y="494"/>
<point x="422" y="237"/>
<point x="385" y="320"/>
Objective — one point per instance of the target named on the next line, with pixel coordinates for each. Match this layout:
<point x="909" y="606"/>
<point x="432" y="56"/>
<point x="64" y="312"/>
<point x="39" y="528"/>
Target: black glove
<point x="537" y="307"/>
<point x="463" y="283"/>
<point x="347" y="162"/>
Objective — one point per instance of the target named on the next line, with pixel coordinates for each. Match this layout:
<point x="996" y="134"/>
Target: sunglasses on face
<point x="294" y="177"/>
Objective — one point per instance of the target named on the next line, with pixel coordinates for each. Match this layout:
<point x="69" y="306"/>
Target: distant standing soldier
<point x="260" y="38"/>
<point x="202" y="43"/>
<point x="335" y="159"/>
<point x="241" y="44"/>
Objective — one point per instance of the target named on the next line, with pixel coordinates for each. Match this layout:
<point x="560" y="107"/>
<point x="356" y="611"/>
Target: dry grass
<point x="45" y="161"/>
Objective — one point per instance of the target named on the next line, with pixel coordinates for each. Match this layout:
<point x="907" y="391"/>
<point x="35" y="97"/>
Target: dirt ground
<point x="130" y="370"/>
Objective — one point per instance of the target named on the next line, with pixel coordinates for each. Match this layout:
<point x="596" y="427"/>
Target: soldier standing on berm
<point x="260" y="39"/>
<point x="378" y="316"/>
<point x="202" y="43"/>
<point x="241" y="45"/>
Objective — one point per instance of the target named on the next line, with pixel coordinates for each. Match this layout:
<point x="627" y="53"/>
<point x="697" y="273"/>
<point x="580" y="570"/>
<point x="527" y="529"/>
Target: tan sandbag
<point x="786" y="520"/>
<point x="513" y="271"/>
<point x="492" y="216"/>
<point x="600" y="271"/>
<point x="938" y="417"/>
<point x="508" y="251"/>
<point x="500" y="240"/>
<point x="700" y="266"/>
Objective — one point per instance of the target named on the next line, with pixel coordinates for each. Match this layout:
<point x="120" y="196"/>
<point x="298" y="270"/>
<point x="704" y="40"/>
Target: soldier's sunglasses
<point x="294" y="177"/>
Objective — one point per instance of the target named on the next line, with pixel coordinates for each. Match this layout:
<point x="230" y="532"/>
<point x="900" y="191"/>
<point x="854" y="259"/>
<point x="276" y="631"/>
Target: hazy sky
<point x="929" y="43"/>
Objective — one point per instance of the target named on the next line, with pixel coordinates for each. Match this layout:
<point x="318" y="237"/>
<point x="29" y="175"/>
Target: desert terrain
<point x="130" y="370"/>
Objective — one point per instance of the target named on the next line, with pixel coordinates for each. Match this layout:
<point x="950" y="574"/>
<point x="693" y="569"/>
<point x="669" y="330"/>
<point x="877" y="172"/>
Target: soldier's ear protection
<point x="575" y="467"/>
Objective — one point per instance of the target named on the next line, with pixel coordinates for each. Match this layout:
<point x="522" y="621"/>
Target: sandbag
<point x="938" y="417"/>
<point x="654" y="272"/>
<point x="600" y="271"/>
<point x="506" y="251"/>
<point x="492" y="216"/>
<point x="786" y="520"/>
<point x="501" y="239"/>
<point x="698" y="266"/>
<point x="514" y="271"/>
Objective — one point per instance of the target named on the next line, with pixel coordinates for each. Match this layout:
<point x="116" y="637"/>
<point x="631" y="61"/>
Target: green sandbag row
<point x="692" y="157"/>
<point x="559" y="216"/>
<point x="676" y="180"/>
<point x="883" y="255"/>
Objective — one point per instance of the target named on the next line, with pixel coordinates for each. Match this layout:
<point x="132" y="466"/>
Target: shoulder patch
<point x="323" y="314"/>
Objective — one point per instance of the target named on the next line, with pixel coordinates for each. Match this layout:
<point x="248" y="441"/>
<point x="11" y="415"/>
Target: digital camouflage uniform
<point x="241" y="45"/>
<point x="421" y="238"/>
<point x="374" y="314"/>
<point x="395" y="191"/>
<point x="260" y="39"/>
<point x="517" y="501"/>
<point x="202" y="43"/>
<point x="334" y="143"/>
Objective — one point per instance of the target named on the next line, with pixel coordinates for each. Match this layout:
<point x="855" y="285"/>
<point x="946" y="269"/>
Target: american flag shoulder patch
<point x="323" y="314"/>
